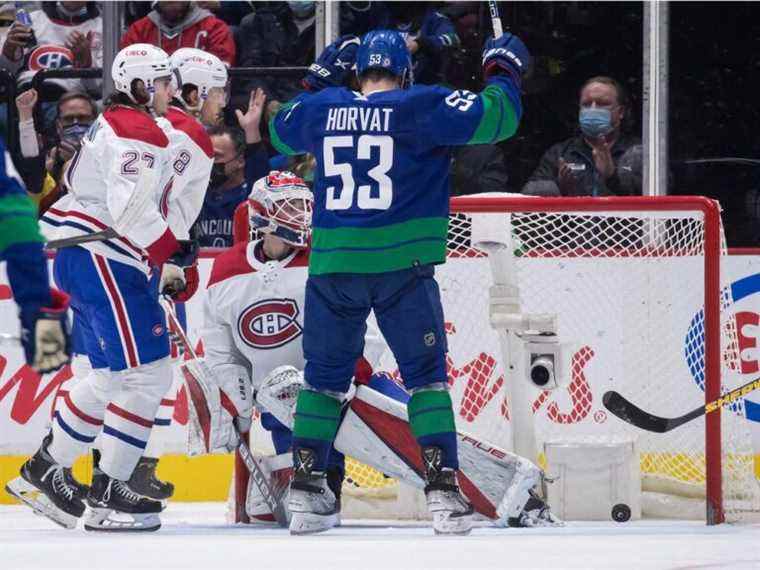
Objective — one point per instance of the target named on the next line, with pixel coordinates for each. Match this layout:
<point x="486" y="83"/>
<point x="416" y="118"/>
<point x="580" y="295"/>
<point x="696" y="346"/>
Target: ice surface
<point x="195" y="535"/>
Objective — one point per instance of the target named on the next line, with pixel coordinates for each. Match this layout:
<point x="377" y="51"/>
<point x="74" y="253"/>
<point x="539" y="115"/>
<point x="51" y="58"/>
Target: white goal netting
<point x="628" y="289"/>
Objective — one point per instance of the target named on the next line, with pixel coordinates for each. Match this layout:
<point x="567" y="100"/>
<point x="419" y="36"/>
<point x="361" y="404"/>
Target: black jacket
<point x="270" y="38"/>
<point x="627" y="179"/>
<point x="478" y="168"/>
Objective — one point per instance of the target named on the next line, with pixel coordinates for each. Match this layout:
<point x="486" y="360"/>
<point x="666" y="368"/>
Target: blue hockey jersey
<point x="381" y="187"/>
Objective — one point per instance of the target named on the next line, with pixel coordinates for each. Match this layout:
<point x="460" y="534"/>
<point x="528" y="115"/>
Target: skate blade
<point x="311" y="523"/>
<point x="444" y="524"/>
<point x="39" y="503"/>
<point x="108" y="520"/>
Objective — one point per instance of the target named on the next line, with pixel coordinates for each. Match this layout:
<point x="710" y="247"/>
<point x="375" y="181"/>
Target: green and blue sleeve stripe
<point x="501" y="113"/>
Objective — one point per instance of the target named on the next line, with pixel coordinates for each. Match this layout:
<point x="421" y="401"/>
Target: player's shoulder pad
<point x="181" y="121"/>
<point x="232" y="262"/>
<point x="129" y="123"/>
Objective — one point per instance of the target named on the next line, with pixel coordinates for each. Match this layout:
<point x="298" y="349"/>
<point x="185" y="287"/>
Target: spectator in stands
<point x="63" y="34"/>
<point x="232" y="13"/>
<point x="240" y="158"/>
<point x="173" y="25"/>
<point x="42" y="171"/>
<point x="603" y="159"/>
<point x="278" y="34"/>
<point x="478" y="168"/>
<point x="428" y="33"/>
<point x="7" y="21"/>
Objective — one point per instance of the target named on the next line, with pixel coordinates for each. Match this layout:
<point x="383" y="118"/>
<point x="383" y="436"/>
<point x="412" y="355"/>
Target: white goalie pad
<point x="376" y="431"/>
<point x="279" y="471"/>
<point x="209" y="425"/>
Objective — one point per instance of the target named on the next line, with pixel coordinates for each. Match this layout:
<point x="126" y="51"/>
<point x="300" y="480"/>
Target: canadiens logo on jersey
<point x="50" y="57"/>
<point x="270" y="323"/>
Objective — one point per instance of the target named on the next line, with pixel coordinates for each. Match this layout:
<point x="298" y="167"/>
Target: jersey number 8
<point x="369" y="197"/>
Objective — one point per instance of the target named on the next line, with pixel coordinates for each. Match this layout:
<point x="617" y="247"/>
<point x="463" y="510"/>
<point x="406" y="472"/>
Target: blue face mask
<point x="75" y="131"/>
<point x="595" y="121"/>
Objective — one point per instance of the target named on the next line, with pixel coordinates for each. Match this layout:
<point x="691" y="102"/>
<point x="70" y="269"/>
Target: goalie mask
<point x="281" y="205"/>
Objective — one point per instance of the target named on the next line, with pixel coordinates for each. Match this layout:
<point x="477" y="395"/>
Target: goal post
<point x="712" y="246"/>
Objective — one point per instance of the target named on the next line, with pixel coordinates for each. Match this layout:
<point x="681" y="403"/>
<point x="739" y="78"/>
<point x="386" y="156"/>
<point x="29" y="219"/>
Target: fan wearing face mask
<point x="602" y="159"/>
<point x="240" y="158"/>
<point x="42" y="169"/>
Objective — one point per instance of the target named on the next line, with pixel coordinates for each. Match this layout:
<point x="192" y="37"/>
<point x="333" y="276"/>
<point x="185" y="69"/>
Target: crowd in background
<point x="580" y="134"/>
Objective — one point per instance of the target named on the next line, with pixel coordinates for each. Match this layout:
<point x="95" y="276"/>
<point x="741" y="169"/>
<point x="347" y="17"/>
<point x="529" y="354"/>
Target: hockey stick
<point x="136" y="206"/>
<point x="493" y="8"/>
<point x="252" y="463"/>
<point x="629" y="412"/>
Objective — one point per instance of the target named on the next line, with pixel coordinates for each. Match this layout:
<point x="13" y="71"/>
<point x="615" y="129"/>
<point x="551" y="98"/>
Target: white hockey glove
<point x="279" y="391"/>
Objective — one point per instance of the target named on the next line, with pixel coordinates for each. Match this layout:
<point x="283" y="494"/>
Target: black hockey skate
<point x="80" y="489"/>
<point x="144" y="481"/>
<point x="312" y="502"/>
<point x="44" y="487"/>
<point x="535" y="513"/>
<point x="114" y="507"/>
<point x="452" y="513"/>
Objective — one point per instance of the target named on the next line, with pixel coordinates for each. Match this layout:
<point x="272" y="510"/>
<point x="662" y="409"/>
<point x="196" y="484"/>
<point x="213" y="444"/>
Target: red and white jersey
<point x="102" y="177"/>
<point x="51" y="51"/>
<point x="253" y="314"/>
<point x="192" y="157"/>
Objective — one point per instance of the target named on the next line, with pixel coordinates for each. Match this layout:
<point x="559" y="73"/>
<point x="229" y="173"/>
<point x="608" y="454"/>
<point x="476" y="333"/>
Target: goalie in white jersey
<point x="252" y="341"/>
<point x="253" y="316"/>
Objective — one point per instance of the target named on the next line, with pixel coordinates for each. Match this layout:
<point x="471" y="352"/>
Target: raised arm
<point x="457" y="117"/>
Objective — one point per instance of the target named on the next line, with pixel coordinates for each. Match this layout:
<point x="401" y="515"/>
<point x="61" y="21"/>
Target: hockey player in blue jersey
<point x="44" y="324"/>
<point x="381" y="209"/>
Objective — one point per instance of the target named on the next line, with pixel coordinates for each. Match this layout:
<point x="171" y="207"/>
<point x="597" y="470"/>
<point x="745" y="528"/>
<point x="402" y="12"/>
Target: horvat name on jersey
<point x="367" y="119"/>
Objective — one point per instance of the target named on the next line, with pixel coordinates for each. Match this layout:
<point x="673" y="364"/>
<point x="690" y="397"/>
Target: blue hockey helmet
<point x="384" y="49"/>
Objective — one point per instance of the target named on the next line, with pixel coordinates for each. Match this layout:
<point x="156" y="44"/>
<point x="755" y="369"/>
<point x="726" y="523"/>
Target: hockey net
<point x="636" y="286"/>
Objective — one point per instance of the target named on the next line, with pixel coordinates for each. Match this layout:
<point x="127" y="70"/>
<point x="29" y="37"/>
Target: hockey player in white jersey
<point x="200" y="83"/>
<point x="251" y="335"/>
<point x="118" y="180"/>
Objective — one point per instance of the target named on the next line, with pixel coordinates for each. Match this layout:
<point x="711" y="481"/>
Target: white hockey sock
<point x="129" y="417"/>
<point x="163" y="421"/>
<point x="79" y="416"/>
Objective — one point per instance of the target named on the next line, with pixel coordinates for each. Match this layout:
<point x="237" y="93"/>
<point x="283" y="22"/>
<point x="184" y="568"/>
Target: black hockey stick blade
<point x="631" y="413"/>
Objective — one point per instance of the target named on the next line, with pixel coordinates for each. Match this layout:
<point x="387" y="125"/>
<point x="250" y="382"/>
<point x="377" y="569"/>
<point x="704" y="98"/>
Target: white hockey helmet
<point x="281" y="204"/>
<point x="192" y="66"/>
<point x="139" y="61"/>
